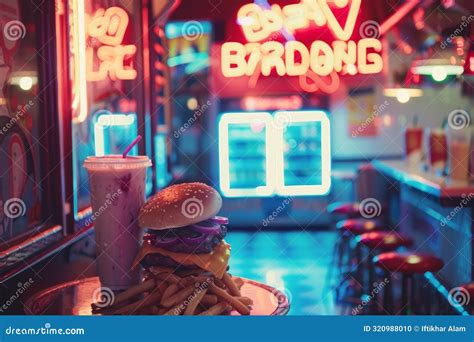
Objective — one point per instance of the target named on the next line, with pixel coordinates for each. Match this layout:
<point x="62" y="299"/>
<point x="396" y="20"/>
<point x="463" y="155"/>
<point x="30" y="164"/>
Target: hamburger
<point x="182" y="231"/>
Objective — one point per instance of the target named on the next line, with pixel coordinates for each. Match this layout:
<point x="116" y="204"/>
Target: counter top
<point x="416" y="177"/>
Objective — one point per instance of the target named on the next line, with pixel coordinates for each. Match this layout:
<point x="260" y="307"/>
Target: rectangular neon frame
<point x="274" y="135"/>
<point x="224" y="170"/>
<point x="303" y="190"/>
<point x="105" y="120"/>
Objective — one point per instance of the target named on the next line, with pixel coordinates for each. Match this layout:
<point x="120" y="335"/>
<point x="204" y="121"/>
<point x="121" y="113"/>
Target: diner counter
<point x="438" y="213"/>
<point x="417" y="178"/>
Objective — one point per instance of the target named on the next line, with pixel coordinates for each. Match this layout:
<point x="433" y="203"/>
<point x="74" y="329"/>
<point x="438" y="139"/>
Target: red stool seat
<point x="469" y="288"/>
<point x="350" y="209"/>
<point x="408" y="262"/>
<point x="360" y="226"/>
<point x="386" y="241"/>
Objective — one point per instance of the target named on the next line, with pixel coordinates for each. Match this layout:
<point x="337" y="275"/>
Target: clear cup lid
<point x="117" y="162"/>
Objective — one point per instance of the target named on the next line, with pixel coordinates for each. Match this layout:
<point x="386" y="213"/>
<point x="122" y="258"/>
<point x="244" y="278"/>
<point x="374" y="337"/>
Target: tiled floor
<point x="296" y="263"/>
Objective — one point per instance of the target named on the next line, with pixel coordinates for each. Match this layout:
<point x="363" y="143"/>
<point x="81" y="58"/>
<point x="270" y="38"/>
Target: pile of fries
<point x="164" y="292"/>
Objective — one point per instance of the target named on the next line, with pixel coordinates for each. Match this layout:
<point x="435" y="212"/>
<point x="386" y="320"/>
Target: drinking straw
<point x="134" y="142"/>
<point x="444" y="124"/>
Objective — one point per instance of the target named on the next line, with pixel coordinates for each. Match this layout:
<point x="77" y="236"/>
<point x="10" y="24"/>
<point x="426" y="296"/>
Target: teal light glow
<point x="304" y="166"/>
<point x="178" y="29"/>
<point x="444" y="292"/>
<point x="187" y="58"/>
<point x="114" y="131"/>
<point x="287" y="154"/>
<point x="161" y="163"/>
<point x="245" y="154"/>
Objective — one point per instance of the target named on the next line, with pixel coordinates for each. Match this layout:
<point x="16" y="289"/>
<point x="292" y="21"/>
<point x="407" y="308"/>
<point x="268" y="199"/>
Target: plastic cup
<point x="438" y="150"/>
<point x="117" y="190"/>
<point x="414" y="145"/>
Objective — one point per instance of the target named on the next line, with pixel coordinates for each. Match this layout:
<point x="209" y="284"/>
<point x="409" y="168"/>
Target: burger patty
<point x="181" y="246"/>
<point x="157" y="259"/>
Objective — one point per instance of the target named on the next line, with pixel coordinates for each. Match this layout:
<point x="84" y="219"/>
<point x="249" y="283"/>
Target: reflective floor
<point x="296" y="263"/>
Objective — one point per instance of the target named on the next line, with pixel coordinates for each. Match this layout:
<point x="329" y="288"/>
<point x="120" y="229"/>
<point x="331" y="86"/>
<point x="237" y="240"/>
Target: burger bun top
<point x="180" y="205"/>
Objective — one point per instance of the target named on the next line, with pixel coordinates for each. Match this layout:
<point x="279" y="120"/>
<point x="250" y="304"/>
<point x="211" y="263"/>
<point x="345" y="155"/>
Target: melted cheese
<point x="215" y="262"/>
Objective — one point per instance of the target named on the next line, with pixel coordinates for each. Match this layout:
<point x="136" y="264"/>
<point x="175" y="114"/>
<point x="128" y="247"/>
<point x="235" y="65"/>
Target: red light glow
<point x="293" y="102"/>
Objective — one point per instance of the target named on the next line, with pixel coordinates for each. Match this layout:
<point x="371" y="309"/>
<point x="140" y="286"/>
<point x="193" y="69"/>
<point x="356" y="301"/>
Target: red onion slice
<point x="209" y="229"/>
<point x="220" y="219"/>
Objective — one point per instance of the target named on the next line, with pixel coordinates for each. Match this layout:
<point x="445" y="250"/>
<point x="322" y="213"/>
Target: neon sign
<point x="263" y="55"/>
<point x="108" y="26"/>
<point x="269" y="160"/>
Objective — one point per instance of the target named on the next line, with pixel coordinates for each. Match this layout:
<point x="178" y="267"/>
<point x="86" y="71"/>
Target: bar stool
<point x="376" y="243"/>
<point x="348" y="229"/>
<point x="351" y="228"/>
<point x="408" y="265"/>
<point x="344" y="209"/>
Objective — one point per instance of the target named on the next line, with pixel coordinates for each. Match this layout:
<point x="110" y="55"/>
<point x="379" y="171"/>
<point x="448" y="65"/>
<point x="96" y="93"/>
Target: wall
<point x="431" y="109"/>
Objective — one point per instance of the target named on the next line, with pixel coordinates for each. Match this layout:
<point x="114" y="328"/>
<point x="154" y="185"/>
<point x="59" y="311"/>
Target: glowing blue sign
<point x="285" y="154"/>
<point x="113" y="132"/>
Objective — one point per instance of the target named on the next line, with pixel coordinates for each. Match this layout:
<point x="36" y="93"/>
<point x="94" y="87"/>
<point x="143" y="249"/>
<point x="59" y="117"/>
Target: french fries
<point x="194" y="302"/>
<point x="236" y="304"/>
<point x="209" y="300"/>
<point x="216" y="309"/>
<point x="178" y="296"/>
<point x="168" y="292"/>
<point x="194" y="292"/>
<point x="229" y="283"/>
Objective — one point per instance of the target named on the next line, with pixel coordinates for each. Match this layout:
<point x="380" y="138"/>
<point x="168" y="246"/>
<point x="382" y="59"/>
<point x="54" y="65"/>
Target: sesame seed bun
<point x="180" y="205"/>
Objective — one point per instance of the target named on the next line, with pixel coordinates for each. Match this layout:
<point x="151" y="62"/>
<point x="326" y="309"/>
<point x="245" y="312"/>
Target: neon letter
<point x="369" y="63"/>
<point x="322" y="64"/>
<point x="346" y="32"/>
<point x="344" y="52"/>
<point x="314" y="12"/>
<point x="255" y="57"/>
<point x="292" y="68"/>
<point x="233" y="62"/>
<point x="295" y="17"/>
<point x="256" y="23"/>
<point x="272" y="57"/>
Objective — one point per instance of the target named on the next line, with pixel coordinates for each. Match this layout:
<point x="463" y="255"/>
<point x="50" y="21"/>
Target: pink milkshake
<point x="117" y="189"/>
